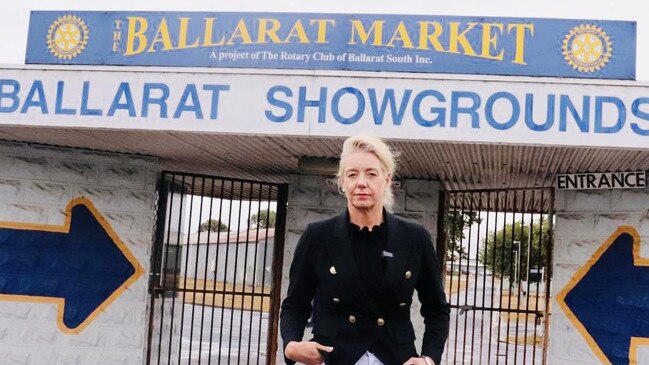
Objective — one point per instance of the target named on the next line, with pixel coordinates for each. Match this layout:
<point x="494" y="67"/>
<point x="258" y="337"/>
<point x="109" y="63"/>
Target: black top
<point x="368" y="247"/>
<point x="370" y="256"/>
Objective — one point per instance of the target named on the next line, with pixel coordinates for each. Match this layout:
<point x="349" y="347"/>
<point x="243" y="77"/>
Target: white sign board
<point x="604" y="180"/>
<point x="414" y="108"/>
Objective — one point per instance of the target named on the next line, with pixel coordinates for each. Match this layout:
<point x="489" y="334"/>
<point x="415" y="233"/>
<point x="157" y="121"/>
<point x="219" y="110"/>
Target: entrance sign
<point x="360" y="42"/>
<point x="415" y="108"/>
<point x="605" y="180"/>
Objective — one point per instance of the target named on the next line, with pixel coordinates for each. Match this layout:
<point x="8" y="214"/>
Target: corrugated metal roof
<point x="263" y="158"/>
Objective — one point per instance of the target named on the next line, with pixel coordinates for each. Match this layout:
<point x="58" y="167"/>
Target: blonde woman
<point x="356" y="274"/>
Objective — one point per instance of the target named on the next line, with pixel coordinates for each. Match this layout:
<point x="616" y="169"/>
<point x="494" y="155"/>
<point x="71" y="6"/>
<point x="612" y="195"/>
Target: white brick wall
<point x="311" y="198"/>
<point x="584" y="220"/>
<point x="36" y="183"/>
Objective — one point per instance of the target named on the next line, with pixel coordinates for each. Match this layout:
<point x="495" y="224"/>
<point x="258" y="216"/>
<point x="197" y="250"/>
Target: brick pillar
<point x="36" y="184"/>
<point x="584" y="221"/>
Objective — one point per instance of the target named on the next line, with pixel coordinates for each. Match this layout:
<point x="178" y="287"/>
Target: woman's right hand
<point x="306" y="352"/>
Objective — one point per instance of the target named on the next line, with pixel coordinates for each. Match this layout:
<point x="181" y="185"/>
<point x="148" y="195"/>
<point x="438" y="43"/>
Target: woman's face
<point x="364" y="180"/>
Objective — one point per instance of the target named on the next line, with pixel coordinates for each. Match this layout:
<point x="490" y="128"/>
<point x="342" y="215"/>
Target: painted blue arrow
<point x="82" y="266"/>
<point x="611" y="298"/>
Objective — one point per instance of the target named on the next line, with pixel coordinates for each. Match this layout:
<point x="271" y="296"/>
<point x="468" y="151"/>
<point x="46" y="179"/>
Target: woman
<point x="359" y="270"/>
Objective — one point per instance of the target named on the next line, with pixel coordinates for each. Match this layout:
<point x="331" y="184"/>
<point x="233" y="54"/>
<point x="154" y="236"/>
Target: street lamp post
<point x="517" y="252"/>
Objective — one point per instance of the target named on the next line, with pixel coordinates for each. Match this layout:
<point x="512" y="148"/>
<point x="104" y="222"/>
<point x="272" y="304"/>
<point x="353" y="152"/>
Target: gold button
<point x="380" y="322"/>
<point x="333" y="271"/>
<point x="408" y="274"/>
<point x="352" y="319"/>
<point x="336" y="300"/>
<point x="402" y="304"/>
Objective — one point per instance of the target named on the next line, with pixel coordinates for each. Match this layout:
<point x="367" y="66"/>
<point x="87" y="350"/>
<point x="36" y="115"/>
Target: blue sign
<point x="361" y="42"/>
<point x="608" y="299"/>
<point x="81" y="266"/>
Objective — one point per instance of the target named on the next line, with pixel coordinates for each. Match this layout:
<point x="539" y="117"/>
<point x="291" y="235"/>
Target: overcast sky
<point x="15" y="14"/>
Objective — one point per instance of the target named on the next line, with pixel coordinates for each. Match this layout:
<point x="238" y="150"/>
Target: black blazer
<point x="324" y="272"/>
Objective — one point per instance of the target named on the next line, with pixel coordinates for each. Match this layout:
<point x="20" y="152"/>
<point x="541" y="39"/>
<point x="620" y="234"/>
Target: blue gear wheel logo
<point x="67" y="37"/>
<point x="587" y="48"/>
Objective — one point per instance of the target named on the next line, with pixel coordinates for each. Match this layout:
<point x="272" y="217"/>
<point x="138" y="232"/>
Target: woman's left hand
<point x="419" y="361"/>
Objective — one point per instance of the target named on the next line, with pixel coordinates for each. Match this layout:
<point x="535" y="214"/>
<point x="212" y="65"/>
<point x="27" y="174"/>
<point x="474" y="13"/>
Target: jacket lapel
<point x="397" y="246"/>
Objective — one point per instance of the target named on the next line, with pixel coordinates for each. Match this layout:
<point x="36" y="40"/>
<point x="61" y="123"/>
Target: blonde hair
<point x="375" y="146"/>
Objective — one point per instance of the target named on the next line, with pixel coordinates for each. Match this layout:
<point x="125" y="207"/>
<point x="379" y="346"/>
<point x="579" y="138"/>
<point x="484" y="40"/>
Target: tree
<point x="456" y="223"/>
<point x="501" y="250"/>
<point x="262" y="220"/>
<point x="213" y="225"/>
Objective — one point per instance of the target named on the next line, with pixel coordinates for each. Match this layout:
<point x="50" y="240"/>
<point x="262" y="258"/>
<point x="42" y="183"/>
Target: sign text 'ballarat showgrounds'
<point x="361" y="42"/>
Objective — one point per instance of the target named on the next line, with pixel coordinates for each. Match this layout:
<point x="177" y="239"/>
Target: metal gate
<point x="217" y="255"/>
<point x="497" y="265"/>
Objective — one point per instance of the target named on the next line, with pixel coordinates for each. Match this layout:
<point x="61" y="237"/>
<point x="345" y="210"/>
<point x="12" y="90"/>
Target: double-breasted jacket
<point x="325" y="283"/>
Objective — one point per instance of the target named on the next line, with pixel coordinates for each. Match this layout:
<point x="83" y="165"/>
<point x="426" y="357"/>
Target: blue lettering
<point x="472" y="110"/>
<point x="58" y="109"/>
<point x="195" y="106"/>
<point x="36" y="90"/>
<point x="388" y="99"/>
<point x="272" y="100"/>
<point x="565" y="104"/>
<point x="529" y="114"/>
<point x="215" y="89"/>
<point x="13" y="95"/>
<point x="84" y="101"/>
<point x="489" y="106"/>
<point x="621" y="114"/>
<point x="635" y="109"/>
<point x="161" y="100"/>
<point x="440" y="111"/>
<point x="321" y="103"/>
<point x="124" y="90"/>
<point x="360" y="105"/>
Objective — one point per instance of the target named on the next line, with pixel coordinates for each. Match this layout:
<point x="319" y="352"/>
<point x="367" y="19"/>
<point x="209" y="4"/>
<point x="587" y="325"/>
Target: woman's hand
<point x="306" y="352"/>
<point x="424" y="360"/>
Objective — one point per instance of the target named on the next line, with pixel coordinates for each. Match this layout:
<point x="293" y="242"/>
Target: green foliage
<point x="499" y="251"/>
<point x="213" y="225"/>
<point x="456" y="224"/>
<point x="262" y="220"/>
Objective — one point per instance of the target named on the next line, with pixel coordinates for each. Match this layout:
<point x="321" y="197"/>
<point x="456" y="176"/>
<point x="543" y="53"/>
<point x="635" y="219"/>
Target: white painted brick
<point x="25" y="213"/>
<point x="34" y="334"/>
<point x="643" y="354"/>
<point x="136" y="201"/>
<point x="589" y="201"/>
<point x="114" y="358"/>
<point x="94" y="336"/>
<point x="101" y="197"/>
<point x="44" y="192"/>
<point x="636" y="200"/>
<point x="122" y="176"/>
<point x="419" y="201"/>
<point x="11" y="189"/>
<point x="125" y="223"/>
<point x="26" y="167"/>
<point x="71" y="171"/>
<point x="575" y="250"/>
<point x="331" y="198"/>
<point x="17" y="356"/>
<point x="126" y="339"/>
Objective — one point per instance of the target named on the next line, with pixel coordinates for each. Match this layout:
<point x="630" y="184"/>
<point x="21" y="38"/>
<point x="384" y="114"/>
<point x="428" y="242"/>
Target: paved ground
<point x="240" y="336"/>
<point x="240" y="340"/>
